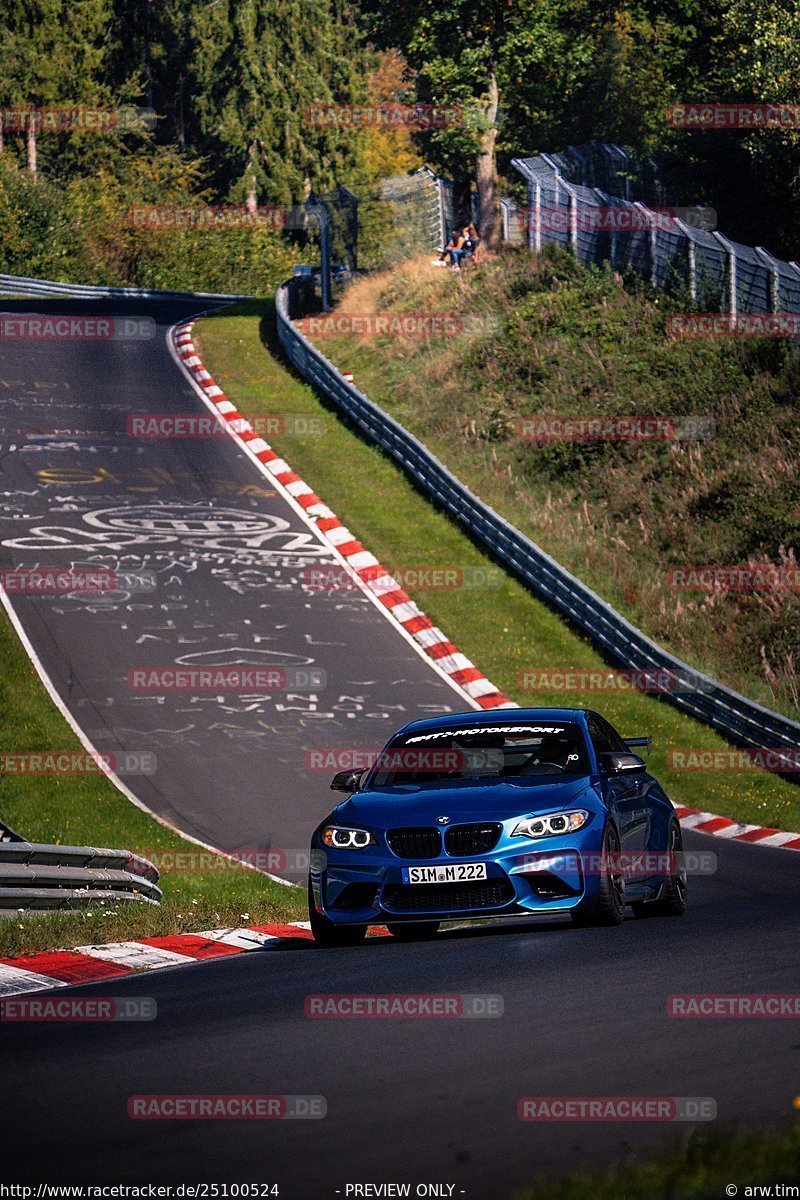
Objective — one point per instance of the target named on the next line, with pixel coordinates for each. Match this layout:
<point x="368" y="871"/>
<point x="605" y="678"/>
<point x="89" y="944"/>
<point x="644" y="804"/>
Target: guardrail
<point x="36" y="875"/>
<point x="741" y="720"/>
<point x="21" y="285"/>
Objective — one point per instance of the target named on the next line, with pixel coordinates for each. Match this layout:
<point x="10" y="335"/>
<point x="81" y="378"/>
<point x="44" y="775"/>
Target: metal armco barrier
<point x="20" y="285"/>
<point x="35" y="875"/>
<point x="743" y="721"/>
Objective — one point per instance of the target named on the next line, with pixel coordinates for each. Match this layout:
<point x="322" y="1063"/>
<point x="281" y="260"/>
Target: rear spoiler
<point x="647" y="742"/>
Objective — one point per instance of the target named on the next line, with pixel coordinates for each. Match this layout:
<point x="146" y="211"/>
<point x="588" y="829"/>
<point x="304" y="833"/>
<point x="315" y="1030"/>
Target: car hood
<point x="474" y="800"/>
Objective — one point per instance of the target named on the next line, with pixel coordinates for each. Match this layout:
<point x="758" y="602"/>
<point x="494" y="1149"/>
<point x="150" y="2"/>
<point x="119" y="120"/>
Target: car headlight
<point x="342" y="838"/>
<point x="552" y="823"/>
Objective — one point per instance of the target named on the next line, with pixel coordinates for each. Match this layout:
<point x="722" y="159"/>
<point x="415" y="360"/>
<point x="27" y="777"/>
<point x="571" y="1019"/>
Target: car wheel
<point x="413" y="931"/>
<point x="672" y="901"/>
<point x="327" y="933"/>
<point x="608" y="907"/>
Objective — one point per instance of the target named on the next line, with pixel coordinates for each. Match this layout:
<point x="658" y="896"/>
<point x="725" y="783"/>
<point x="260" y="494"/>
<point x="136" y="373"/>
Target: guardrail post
<point x="612" y="233"/>
<point x="442" y="214"/>
<point x="560" y="181"/>
<point x="733" y="291"/>
<point x="691" y="257"/>
<point x="652" y="245"/>
<point x="535" y="233"/>
<point x="504" y="215"/>
<point x="321" y="213"/>
<point x="626" y="158"/>
<point x="772" y="268"/>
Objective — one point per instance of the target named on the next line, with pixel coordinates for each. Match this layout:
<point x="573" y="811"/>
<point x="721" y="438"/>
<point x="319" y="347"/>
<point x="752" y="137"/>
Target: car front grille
<point x="463" y="840"/>
<point x="422" y="842"/>
<point x="459" y="897"/>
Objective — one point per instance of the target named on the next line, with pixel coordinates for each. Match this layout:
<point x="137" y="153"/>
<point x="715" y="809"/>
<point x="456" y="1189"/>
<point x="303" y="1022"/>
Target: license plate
<point x="450" y="873"/>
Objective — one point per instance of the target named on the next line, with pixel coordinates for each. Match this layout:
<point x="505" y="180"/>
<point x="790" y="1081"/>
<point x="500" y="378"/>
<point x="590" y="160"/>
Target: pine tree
<point x="258" y="67"/>
<point x="52" y="57"/>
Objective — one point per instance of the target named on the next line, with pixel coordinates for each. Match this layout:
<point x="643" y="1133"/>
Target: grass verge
<point x="703" y="1171"/>
<point x="502" y="628"/>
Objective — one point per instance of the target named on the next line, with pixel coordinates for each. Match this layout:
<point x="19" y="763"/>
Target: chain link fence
<point x="600" y="200"/>
<point x="570" y="202"/>
<point x="420" y="212"/>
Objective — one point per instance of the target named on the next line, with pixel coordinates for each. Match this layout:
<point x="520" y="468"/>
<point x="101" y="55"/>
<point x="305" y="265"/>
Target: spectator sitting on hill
<point x="472" y="242"/>
<point x="454" y="248"/>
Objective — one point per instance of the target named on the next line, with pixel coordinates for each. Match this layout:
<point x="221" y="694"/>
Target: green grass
<point x="88" y="810"/>
<point x="703" y="1169"/>
<point x="504" y="629"/>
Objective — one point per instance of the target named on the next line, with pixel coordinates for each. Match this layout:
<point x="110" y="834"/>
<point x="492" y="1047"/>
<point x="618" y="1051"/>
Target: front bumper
<point x="523" y="876"/>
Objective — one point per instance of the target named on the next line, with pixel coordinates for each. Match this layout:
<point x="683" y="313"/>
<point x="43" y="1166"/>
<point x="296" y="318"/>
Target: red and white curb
<point x="92" y="964"/>
<point x="735" y="831"/>
<point x="396" y="603"/>
<point x="50" y="969"/>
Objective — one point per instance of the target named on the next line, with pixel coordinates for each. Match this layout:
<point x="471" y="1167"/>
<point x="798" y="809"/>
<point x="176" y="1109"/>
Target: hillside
<point x="621" y="514"/>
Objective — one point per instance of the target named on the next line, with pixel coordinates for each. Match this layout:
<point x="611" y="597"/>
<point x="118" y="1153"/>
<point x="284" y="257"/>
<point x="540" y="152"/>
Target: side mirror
<point x="622" y="764"/>
<point x="346" y="781"/>
<point x="647" y="742"/>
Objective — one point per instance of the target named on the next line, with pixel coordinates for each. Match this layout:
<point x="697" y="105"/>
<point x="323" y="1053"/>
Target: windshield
<point x="493" y="752"/>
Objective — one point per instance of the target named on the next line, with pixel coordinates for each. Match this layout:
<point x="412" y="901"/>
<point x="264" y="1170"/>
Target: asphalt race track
<point x="408" y="1101"/>
<point x="424" y="1100"/>
<point x="212" y="568"/>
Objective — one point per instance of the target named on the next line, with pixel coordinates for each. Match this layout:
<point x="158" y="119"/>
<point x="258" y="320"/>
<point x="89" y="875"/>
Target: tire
<point x="327" y="933"/>
<point x="413" y="931"/>
<point x="608" y="907"/>
<point x="672" y="901"/>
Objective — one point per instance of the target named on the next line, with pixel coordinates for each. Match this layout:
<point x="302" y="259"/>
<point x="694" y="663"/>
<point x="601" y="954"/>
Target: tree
<point x="52" y="57"/>
<point x="498" y="63"/>
<point x="258" y="67"/>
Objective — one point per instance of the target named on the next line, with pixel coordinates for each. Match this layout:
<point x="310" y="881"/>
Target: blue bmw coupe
<point x="520" y="811"/>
